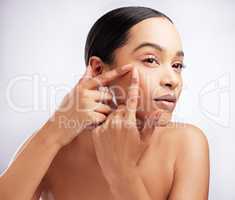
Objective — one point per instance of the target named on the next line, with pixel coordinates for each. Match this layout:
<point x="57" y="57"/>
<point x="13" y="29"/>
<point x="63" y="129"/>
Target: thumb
<point x="149" y="126"/>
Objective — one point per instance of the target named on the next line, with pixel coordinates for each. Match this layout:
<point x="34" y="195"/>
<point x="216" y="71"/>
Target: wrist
<point x="51" y="134"/>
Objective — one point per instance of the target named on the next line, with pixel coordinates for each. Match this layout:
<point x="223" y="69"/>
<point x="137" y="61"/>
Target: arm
<point x="22" y="179"/>
<point x="192" y="167"/>
<point x="119" y="148"/>
<point x="38" y="193"/>
<point x="28" y="169"/>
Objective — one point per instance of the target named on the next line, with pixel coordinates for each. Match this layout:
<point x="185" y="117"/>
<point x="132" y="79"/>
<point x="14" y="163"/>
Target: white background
<point x="42" y="49"/>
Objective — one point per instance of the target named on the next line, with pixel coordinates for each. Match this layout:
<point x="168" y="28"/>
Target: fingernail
<point x="135" y="75"/>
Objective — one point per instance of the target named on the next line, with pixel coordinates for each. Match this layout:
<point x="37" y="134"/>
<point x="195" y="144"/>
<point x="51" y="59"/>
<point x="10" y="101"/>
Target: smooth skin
<point x="165" y="160"/>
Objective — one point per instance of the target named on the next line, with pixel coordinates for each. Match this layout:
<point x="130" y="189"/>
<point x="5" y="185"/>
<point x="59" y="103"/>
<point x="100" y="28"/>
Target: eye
<point x="151" y="60"/>
<point x="178" y="66"/>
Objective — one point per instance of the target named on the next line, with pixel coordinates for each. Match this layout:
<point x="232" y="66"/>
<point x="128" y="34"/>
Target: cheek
<point x="149" y="82"/>
<point x="180" y="87"/>
<point x="145" y="89"/>
<point x="148" y="87"/>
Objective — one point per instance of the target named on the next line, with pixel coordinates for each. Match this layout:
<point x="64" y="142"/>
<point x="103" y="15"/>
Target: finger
<point x="149" y="126"/>
<point x="121" y="107"/>
<point x="87" y="75"/>
<point x="95" y="120"/>
<point x="99" y="128"/>
<point x="102" y="97"/>
<point x="111" y="102"/>
<point x="133" y="95"/>
<point x="120" y="111"/>
<point x="104" y="79"/>
<point x="99" y="96"/>
<point x="102" y="108"/>
<point x="117" y="117"/>
<point x="98" y="118"/>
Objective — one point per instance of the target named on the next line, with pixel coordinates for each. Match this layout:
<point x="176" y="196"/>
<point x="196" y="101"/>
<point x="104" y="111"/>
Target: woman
<point x="117" y="143"/>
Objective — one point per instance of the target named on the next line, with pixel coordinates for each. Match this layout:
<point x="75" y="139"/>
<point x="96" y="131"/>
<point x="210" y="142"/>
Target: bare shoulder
<point x="184" y="137"/>
<point x="191" y="161"/>
<point x="185" y="134"/>
<point x="191" y="135"/>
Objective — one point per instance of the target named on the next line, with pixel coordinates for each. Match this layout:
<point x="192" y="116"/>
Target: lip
<point x="167" y="102"/>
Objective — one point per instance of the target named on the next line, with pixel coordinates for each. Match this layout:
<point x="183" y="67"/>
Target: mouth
<point x="166" y="102"/>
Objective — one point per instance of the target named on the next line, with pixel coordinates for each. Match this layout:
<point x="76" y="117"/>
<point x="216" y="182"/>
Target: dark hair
<point x="111" y="31"/>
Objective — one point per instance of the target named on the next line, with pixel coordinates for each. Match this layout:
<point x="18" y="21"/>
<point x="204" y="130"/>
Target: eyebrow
<point x="156" y="46"/>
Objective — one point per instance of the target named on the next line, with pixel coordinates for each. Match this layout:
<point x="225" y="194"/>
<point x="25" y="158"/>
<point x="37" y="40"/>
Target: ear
<point x="97" y="65"/>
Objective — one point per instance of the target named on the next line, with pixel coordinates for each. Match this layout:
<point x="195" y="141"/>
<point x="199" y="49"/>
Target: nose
<point x="169" y="79"/>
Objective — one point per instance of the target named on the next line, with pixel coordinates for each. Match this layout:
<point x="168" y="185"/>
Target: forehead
<point x="155" y="30"/>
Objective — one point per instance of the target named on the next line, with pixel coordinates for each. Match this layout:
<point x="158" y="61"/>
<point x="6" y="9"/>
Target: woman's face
<point x="155" y="50"/>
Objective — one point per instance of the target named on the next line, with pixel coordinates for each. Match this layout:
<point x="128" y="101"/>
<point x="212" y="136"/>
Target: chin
<point x="164" y="119"/>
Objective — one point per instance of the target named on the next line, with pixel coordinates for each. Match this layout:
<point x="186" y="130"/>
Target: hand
<point x="84" y="106"/>
<point x="118" y="143"/>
